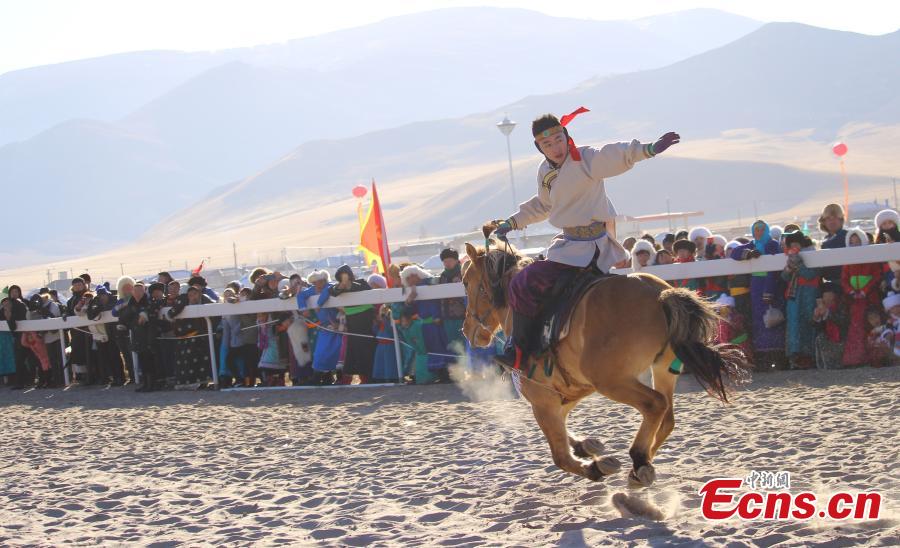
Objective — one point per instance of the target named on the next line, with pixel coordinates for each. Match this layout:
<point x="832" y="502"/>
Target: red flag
<point x="196" y="271"/>
<point x="373" y="238"/>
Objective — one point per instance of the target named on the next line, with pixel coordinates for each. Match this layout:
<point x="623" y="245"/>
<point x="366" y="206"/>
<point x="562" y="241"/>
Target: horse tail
<point x="692" y="326"/>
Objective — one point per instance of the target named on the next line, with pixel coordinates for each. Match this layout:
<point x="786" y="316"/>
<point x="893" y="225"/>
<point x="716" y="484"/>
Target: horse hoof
<point x="601" y="468"/>
<point x="592" y="447"/>
<point x="588" y="448"/>
<point x="644" y="477"/>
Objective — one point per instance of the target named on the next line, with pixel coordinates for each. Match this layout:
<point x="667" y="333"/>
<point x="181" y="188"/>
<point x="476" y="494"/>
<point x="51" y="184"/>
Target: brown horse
<point x="622" y="327"/>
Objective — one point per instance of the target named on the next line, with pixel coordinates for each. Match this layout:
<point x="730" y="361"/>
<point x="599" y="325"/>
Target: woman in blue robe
<point x="429" y="311"/>
<point x="768" y="342"/>
<point x="328" y="340"/>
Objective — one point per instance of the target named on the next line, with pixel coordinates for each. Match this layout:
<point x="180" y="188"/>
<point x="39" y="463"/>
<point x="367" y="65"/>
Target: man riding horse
<point x="572" y="195"/>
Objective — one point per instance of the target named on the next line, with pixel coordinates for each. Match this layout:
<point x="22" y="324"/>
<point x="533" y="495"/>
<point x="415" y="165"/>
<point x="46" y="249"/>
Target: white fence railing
<point x="702" y="269"/>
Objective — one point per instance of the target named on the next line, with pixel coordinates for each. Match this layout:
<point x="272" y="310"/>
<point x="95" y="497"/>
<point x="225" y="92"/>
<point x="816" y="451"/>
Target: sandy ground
<point x="435" y="465"/>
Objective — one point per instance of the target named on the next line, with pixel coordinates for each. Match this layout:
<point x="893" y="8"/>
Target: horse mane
<point x="501" y="261"/>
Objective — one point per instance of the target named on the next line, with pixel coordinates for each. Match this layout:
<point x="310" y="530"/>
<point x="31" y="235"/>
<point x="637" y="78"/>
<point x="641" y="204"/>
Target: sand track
<point x="424" y="465"/>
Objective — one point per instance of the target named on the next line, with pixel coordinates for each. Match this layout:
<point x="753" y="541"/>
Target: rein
<point x="488" y="287"/>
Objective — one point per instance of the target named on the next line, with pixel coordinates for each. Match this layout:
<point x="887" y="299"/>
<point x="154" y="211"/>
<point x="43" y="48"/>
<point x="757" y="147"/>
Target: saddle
<point x="560" y="302"/>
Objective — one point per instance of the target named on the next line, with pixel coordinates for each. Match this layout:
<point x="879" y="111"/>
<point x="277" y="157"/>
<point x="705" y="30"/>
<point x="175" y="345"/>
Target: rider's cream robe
<point x="574" y="195"/>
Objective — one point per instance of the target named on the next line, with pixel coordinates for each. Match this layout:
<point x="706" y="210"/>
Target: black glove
<point x="665" y="142"/>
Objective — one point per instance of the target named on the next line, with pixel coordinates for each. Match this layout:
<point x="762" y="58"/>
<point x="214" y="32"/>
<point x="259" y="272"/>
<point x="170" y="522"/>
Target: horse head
<point x="486" y="277"/>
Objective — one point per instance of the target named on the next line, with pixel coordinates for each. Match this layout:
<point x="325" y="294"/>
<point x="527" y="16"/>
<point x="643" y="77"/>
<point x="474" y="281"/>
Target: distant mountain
<point x="232" y="112"/>
<point x="476" y="58"/>
<point x="104" y="88"/>
<point x="764" y="80"/>
<point x="458" y="200"/>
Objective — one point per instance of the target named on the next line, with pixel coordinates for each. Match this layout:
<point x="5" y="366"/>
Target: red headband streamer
<point x="564" y="121"/>
<point x="573" y="152"/>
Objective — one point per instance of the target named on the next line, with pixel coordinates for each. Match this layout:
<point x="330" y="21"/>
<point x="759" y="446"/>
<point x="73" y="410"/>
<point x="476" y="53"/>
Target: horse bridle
<point x="483" y="291"/>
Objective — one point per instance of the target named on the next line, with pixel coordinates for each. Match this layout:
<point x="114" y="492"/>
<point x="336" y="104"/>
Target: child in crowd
<point x="411" y="329"/>
<point x="642" y="255"/>
<point x="860" y="283"/>
<point x="663" y="256"/>
<point x="830" y="318"/>
<point x="733" y="326"/>
<point x="700" y="236"/>
<point x="892" y="329"/>
<point x="877" y="347"/>
<point x="714" y="286"/>
<point x="684" y="253"/>
<point x="800" y="295"/>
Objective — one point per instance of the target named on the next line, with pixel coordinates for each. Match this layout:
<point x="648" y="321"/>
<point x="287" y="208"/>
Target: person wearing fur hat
<point x="324" y="336"/>
<point x="719" y="242"/>
<point x="685" y="252"/>
<point x="831" y="222"/>
<point x="802" y="284"/>
<point x="887" y="222"/>
<point x="642" y="255"/>
<point x="571" y="194"/>
<point x="124" y="288"/>
<point x="435" y="337"/>
<point x="384" y="366"/>
<point x="830" y="318"/>
<point x="700" y="236"/>
<point x="714" y="286"/>
<point x="776" y="232"/>
<point x="768" y="342"/>
<point x="861" y="283"/>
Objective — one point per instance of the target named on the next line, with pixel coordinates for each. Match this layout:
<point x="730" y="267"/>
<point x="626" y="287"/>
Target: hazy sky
<point x="38" y="32"/>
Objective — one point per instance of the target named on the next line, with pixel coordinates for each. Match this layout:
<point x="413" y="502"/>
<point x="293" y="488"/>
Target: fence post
<point x="138" y="373"/>
<point x="212" y="352"/>
<point x="397" y="349"/>
<point x="62" y="348"/>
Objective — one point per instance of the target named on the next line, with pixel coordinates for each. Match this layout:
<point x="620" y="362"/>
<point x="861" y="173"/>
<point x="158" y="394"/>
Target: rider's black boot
<point x="520" y="344"/>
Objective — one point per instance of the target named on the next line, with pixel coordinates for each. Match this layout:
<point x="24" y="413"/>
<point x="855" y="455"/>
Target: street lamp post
<point x="506" y="126"/>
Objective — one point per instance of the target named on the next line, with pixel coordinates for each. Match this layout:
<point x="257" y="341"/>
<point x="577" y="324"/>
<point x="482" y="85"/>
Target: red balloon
<point x="360" y="190"/>
<point x="839" y="149"/>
